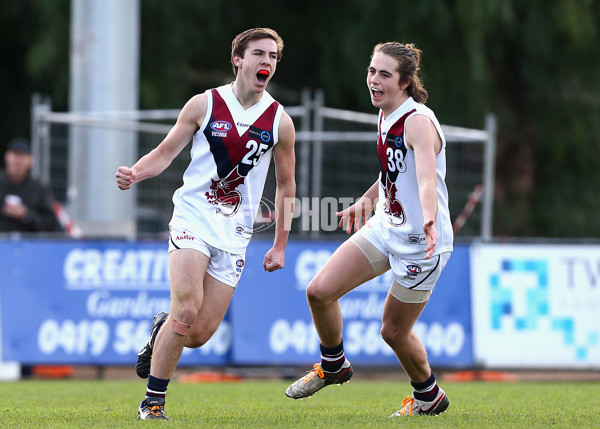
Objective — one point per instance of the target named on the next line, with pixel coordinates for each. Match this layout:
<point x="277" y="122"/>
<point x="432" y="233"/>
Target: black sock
<point x="427" y="390"/>
<point x="333" y="358"/>
<point x="157" y="387"/>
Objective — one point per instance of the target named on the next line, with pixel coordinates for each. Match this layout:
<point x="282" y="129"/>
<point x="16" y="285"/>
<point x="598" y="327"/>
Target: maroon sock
<point x="333" y="358"/>
<point x="427" y="390"/>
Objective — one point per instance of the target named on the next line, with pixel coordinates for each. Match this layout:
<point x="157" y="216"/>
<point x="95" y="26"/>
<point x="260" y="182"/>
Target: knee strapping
<point x="180" y="328"/>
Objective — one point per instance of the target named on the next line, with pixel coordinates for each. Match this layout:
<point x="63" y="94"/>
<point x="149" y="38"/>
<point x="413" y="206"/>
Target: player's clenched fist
<point x="125" y="177"/>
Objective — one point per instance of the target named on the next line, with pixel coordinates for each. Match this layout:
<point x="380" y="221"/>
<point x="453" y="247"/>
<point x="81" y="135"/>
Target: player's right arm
<point x="156" y="161"/>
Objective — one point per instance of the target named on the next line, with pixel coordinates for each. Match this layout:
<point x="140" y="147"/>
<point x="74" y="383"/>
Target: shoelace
<point x="407" y="406"/>
<point x="316" y="371"/>
<point x="155" y="410"/>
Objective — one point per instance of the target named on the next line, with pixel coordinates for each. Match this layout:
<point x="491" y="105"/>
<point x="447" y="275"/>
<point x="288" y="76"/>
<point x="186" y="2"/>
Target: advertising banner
<point x="78" y="302"/>
<point x="536" y="305"/>
<point x="272" y="321"/>
<point x="92" y="302"/>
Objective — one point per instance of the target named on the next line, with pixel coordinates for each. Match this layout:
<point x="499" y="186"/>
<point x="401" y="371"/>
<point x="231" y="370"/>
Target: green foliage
<point x="34" y="54"/>
<point x="534" y="64"/>
<point x="263" y="404"/>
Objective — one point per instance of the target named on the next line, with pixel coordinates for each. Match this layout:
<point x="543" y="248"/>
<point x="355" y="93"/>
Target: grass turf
<point x="263" y="404"/>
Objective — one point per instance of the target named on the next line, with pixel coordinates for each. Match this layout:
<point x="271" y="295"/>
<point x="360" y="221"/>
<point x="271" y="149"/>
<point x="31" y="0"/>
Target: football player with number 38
<point x="410" y="233"/>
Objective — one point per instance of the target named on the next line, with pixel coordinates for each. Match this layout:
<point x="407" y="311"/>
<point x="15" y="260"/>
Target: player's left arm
<point x="423" y="138"/>
<point x="285" y="193"/>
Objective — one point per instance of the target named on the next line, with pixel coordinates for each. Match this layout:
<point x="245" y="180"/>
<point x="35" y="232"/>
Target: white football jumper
<point x="398" y="215"/>
<point x="223" y="184"/>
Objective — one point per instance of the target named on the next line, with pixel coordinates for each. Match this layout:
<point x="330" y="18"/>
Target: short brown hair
<point x="239" y="44"/>
<point x="409" y="61"/>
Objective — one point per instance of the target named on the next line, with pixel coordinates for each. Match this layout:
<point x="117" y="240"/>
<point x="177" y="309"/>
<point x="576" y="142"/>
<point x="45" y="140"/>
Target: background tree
<point x="534" y="64"/>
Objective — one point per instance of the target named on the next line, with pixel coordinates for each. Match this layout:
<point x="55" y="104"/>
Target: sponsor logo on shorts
<point x="240" y="265"/>
<point x="417" y="239"/>
<point x="185" y="236"/>
<point x="413" y="269"/>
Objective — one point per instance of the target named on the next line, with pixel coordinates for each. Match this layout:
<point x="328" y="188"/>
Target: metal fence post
<point x="489" y="178"/>
<point x="305" y="145"/>
<point x="35" y="133"/>
<point x="317" y="158"/>
<point x="304" y="170"/>
<point x="40" y="137"/>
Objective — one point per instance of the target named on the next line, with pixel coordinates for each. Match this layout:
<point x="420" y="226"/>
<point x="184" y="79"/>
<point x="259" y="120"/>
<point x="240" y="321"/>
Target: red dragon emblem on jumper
<point x="392" y="206"/>
<point x="224" y="195"/>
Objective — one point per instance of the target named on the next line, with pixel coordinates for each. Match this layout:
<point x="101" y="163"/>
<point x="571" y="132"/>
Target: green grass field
<point x="263" y="404"/>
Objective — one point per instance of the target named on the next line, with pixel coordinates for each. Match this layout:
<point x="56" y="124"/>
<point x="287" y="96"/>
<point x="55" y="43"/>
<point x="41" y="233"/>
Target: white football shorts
<point x="224" y="266"/>
<point x="414" y="279"/>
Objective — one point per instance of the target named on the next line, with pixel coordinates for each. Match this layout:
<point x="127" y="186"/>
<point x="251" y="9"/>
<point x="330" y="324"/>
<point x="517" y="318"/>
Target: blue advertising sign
<point x="77" y="302"/>
<point x="272" y="322"/>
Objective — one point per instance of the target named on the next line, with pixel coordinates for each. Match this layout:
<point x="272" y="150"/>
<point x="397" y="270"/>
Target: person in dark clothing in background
<point x="25" y="203"/>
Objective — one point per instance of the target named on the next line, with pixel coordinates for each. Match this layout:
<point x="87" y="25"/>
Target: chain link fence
<point x="335" y="155"/>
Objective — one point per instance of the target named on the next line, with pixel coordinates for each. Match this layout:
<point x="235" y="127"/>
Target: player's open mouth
<point x="262" y="75"/>
<point x="377" y="94"/>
